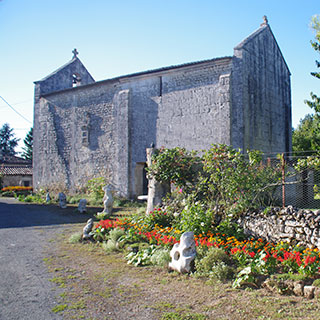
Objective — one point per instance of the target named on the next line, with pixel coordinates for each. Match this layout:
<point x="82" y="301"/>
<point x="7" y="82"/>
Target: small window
<point x="26" y="183"/>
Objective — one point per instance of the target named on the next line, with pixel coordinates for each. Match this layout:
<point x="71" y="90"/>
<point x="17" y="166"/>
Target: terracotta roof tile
<point x="14" y="171"/>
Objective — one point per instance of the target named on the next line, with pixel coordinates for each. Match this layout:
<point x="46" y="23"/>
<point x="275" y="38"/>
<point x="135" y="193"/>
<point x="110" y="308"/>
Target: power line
<point x="20" y="102"/>
<point x="15" y="110"/>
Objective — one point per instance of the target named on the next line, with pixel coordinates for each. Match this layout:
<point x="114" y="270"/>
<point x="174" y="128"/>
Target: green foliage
<point x="183" y="316"/>
<point x="161" y="257"/>
<point x="7" y="140"/>
<point x="176" y="165"/>
<point x="225" y="184"/>
<point x="121" y="202"/>
<point x="100" y="234"/>
<point x="75" y="238"/>
<point x="131" y="236"/>
<point x="75" y="198"/>
<point x="34" y="198"/>
<point x="142" y="257"/>
<point x="291" y="276"/>
<point x="59" y="308"/>
<point x="115" y="234"/>
<point x="28" y="145"/>
<point x="246" y="276"/>
<point x="94" y="188"/>
<point x="101" y="215"/>
<point x="157" y="217"/>
<point x="222" y="272"/>
<point x="196" y="217"/>
<point x="314" y="103"/>
<point x="111" y="245"/>
<point x="306" y="137"/>
<point x="230" y="228"/>
<point x="316" y="283"/>
<point x="234" y="183"/>
<point x="213" y="257"/>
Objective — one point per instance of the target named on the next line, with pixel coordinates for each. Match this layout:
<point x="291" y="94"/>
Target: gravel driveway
<point x="25" y="232"/>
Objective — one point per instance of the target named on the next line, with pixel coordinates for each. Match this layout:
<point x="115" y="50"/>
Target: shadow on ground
<point x="14" y="214"/>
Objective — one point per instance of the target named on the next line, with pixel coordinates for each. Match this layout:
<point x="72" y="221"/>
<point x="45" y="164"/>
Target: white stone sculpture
<point x="107" y="200"/>
<point x="48" y="198"/>
<point x="183" y="253"/>
<point x="82" y="205"/>
<point x="62" y="200"/>
<point x="87" y="229"/>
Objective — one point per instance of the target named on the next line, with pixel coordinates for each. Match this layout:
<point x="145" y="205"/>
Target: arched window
<point x="76" y="80"/>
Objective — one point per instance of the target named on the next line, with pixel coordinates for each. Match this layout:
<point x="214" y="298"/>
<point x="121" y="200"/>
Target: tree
<point x="28" y="142"/>
<point x="314" y="103"/>
<point x="7" y="140"/>
<point x="306" y="137"/>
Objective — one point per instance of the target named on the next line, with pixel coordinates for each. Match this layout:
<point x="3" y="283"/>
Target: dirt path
<point x="26" y="231"/>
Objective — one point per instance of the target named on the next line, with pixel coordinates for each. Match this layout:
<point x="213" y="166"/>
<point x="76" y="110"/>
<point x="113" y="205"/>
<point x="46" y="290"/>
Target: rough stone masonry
<point x="85" y="129"/>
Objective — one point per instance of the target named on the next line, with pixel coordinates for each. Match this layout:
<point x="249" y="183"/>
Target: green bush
<point x="161" y="257"/>
<point x="121" y="202"/>
<point x="94" y="189"/>
<point x="195" y="217"/>
<point x="222" y="272"/>
<point x="8" y="194"/>
<point x="157" y="217"/>
<point x="176" y="165"/>
<point x="110" y="245"/>
<point x="316" y="283"/>
<point x="221" y="184"/>
<point x="34" y="198"/>
<point x="75" y="238"/>
<point x="75" y="198"/>
<point x="142" y="257"/>
<point x="115" y="234"/>
<point x="213" y="257"/>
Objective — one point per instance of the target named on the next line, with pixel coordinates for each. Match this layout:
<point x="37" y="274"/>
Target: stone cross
<point x="265" y="21"/>
<point x="75" y="53"/>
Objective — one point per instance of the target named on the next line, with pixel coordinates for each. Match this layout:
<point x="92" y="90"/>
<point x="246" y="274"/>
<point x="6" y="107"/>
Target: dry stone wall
<point x="289" y="224"/>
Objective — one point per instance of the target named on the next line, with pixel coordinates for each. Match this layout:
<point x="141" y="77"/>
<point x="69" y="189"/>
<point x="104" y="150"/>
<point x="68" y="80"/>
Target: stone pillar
<point x="156" y="190"/>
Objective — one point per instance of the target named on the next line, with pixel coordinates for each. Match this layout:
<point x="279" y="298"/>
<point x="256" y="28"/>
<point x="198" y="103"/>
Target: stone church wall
<point x="195" y="116"/>
<point x="261" y="95"/>
<point x="78" y="138"/>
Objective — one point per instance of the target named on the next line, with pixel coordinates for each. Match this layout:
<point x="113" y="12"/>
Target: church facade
<point x="85" y="129"/>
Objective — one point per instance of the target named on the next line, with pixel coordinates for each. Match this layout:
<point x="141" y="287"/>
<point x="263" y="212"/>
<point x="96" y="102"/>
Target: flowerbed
<point x="14" y="191"/>
<point x="262" y="257"/>
<point x="16" y="188"/>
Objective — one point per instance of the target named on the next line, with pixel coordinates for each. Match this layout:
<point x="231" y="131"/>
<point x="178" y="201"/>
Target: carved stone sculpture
<point x="62" y="200"/>
<point x="87" y="229"/>
<point x="107" y="200"/>
<point x="48" y="198"/>
<point x="82" y="205"/>
<point x="156" y="190"/>
<point x="183" y="253"/>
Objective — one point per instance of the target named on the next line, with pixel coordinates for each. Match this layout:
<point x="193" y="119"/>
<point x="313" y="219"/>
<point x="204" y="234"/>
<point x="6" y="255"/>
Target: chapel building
<point x="85" y="129"/>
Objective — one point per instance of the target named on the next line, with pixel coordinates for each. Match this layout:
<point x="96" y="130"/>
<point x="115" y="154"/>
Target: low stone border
<point x="296" y="226"/>
<point x="287" y="287"/>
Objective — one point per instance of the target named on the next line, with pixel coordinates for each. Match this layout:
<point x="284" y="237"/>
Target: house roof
<point x="225" y="59"/>
<point x="16" y="171"/>
<point x="14" y="160"/>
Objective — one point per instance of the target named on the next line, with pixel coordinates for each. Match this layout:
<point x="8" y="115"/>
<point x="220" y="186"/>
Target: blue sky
<point x="117" y="37"/>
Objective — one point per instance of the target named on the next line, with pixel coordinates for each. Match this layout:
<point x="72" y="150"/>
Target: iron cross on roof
<point x="75" y="53"/>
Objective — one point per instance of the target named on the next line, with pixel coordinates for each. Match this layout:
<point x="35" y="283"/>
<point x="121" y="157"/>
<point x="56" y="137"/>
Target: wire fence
<point x="299" y="188"/>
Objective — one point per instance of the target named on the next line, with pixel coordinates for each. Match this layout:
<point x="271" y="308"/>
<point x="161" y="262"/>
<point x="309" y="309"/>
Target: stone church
<point x="85" y="129"/>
